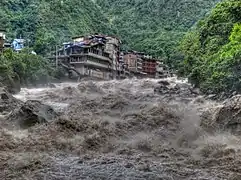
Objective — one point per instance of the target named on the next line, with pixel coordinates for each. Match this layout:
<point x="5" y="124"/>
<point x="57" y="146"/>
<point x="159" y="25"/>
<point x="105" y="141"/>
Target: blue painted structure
<point x="18" y="44"/>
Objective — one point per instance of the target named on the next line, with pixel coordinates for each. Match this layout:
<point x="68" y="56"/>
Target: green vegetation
<point x="23" y="68"/>
<point x="213" y="50"/>
<point x="48" y="23"/>
<point x="154" y="26"/>
<point x="44" y="24"/>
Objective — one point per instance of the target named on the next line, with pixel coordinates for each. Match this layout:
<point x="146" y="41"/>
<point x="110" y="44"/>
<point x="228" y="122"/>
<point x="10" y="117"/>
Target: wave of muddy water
<point x="118" y="130"/>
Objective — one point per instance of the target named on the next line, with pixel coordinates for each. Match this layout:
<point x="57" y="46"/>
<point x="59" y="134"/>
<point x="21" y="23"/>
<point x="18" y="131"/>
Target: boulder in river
<point x="7" y="101"/>
<point x="51" y="85"/>
<point x="11" y="84"/>
<point x="33" y="112"/>
<point x="165" y="87"/>
<point x="226" y="117"/>
<point x="163" y="82"/>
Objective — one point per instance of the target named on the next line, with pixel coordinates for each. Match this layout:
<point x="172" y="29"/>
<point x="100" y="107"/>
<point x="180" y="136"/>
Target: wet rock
<point x="31" y="113"/>
<point x="173" y="89"/>
<point x="15" y="87"/>
<point x="195" y="91"/>
<point x="51" y="85"/>
<point x="71" y="91"/>
<point x="7" y="101"/>
<point x="129" y="165"/>
<point x="144" y="167"/>
<point x="211" y="96"/>
<point x="234" y="93"/>
<point x="1" y="85"/>
<point x="89" y="87"/>
<point x="163" y="82"/>
<point x="93" y="141"/>
<point x="222" y="96"/>
<point x="199" y="100"/>
<point x="227" y="117"/>
<point x="11" y="84"/>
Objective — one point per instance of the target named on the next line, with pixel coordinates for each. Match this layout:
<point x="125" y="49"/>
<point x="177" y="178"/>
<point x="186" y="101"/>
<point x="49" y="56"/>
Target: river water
<point x="119" y="130"/>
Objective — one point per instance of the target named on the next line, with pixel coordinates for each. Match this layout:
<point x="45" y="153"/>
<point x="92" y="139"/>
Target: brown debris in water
<point x="126" y="131"/>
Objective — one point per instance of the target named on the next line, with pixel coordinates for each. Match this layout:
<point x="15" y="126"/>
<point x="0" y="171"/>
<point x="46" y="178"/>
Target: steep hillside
<point x="25" y="69"/>
<point x="154" y="26"/>
<point x="213" y="51"/>
<point x="49" y="22"/>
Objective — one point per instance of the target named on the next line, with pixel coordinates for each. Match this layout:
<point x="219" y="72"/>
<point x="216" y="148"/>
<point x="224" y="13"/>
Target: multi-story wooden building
<point x="162" y="70"/>
<point x="130" y="60"/>
<point x="124" y="70"/>
<point x="94" y="56"/>
<point x="99" y="56"/>
<point x="134" y="61"/>
<point x="112" y="47"/>
<point x="149" y="66"/>
<point x="2" y="39"/>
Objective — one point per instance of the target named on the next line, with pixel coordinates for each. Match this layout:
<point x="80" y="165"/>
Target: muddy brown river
<point x="119" y="130"/>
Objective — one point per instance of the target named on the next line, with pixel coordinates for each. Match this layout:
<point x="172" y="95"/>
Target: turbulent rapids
<point x="129" y="129"/>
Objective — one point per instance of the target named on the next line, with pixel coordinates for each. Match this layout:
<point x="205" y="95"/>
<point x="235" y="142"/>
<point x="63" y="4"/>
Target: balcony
<point x="80" y="52"/>
<point x="98" y="56"/>
<point x="149" y="67"/>
<point x="89" y="62"/>
<point x="96" y="64"/>
<point x="61" y="56"/>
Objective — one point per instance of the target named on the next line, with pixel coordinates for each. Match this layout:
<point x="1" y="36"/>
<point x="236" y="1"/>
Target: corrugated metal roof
<point x="19" y="40"/>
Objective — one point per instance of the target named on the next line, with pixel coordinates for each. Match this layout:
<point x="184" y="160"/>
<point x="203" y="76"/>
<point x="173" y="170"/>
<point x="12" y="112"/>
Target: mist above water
<point x="122" y="130"/>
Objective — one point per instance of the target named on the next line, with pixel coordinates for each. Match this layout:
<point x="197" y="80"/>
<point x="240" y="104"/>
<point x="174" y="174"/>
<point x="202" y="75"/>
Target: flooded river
<point x="119" y="130"/>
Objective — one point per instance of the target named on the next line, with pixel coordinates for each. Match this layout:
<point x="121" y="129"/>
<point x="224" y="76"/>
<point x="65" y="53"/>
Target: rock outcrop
<point x="12" y="85"/>
<point x="226" y="117"/>
<point x="51" y="85"/>
<point x="7" y="101"/>
<point x="182" y="90"/>
<point x="32" y="112"/>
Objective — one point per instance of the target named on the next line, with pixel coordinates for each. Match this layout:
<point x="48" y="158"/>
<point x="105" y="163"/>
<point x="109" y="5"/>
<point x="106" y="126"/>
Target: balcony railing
<point x="89" y="62"/>
<point x="97" y="64"/>
<point x="77" y="60"/>
<point x="82" y="52"/>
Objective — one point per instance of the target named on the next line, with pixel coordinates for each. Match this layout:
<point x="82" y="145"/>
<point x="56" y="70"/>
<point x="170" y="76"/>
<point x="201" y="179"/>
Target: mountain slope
<point x="213" y="50"/>
<point x="154" y="26"/>
<point x="47" y="23"/>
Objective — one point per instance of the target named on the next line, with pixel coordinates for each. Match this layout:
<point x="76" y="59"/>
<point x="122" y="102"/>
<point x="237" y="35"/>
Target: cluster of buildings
<point x="100" y="56"/>
<point x="17" y="44"/>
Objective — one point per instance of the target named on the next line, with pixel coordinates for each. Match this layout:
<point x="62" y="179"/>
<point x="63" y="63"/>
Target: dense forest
<point x="203" y="44"/>
<point x="44" y="24"/>
<point x="213" y="50"/>
<point x="154" y="26"/>
<point x="24" y="69"/>
<point x="49" y="23"/>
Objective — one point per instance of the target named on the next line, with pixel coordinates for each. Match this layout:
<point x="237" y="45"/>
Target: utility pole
<point x="28" y="41"/>
<point x="56" y="56"/>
